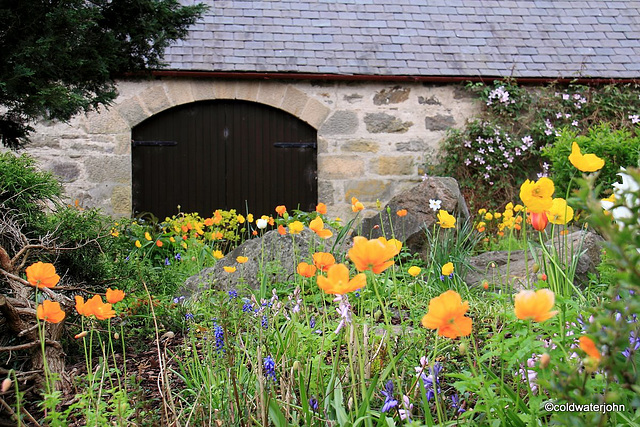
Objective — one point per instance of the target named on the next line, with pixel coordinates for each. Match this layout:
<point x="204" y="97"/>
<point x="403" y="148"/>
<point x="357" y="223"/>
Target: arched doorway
<point x="223" y="154"/>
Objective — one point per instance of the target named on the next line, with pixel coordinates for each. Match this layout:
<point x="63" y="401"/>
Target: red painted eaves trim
<point x="386" y="78"/>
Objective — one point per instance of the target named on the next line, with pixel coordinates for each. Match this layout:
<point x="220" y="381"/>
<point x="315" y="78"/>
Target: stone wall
<point x="372" y="137"/>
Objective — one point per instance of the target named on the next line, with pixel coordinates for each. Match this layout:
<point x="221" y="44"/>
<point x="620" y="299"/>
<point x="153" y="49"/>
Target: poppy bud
<point x="116" y="336"/>
<point x="542" y="277"/>
<point x="544" y="360"/>
<point x="297" y="366"/>
<point x="6" y="384"/>
<point x="81" y="335"/>
<point x="462" y="348"/>
<point x="377" y="315"/>
<point x="485" y="285"/>
<point x="539" y="221"/>
<point x="536" y="267"/>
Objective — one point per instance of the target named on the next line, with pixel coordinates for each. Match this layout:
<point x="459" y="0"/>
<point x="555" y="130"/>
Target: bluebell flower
<point x="265" y="322"/>
<point x="357" y="293"/>
<point x="312" y="322"/>
<point x="247" y="307"/>
<point x="270" y="368"/>
<point x="233" y="294"/>
<point x="634" y="344"/>
<point x="179" y="299"/>
<point x="455" y="403"/>
<point x="442" y="277"/>
<point x="177" y="257"/>
<point x="126" y="259"/>
<point x="218" y="333"/>
<point x="313" y="404"/>
<point x="389" y="401"/>
<point x="166" y="261"/>
<point x="188" y="316"/>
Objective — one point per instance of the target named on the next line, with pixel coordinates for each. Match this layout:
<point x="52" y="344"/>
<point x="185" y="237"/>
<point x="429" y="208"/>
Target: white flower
<point x="626" y="193"/>
<point x="635" y="118"/>
<point x="435" y="204"/>
<point x="261" y="223"/>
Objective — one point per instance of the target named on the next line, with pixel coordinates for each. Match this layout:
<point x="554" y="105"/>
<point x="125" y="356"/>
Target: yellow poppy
<point x="560" y="212"/>
<point x="584" y="162"/>
<point x="445" y="219"/>
<point x="447" y="269"/>
<point x="536" y="196"/>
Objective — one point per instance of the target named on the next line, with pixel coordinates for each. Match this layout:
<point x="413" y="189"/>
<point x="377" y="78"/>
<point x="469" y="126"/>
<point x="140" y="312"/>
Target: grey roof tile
<point x="542" y="38"/>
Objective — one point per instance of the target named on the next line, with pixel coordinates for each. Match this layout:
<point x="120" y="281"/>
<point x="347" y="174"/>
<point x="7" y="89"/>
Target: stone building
<point x="379" y="83"/>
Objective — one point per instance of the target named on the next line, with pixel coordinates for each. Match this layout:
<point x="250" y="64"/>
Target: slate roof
<point x="398" y="37"/>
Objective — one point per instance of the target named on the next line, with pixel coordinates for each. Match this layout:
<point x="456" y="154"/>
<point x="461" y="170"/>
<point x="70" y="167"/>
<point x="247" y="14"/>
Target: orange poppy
<point x="114" y="295"/>
<point x="317" y="226"/>
<point x="321" y="208"/>
<point x="323" y="260"/>
<point x="306" y="270"/>
<point x="94" y="307"/>
<point x="208" y="222"/>
<point x="337" y="281"/>
<point x="535" y="305"/>
<point x="271" y="221"/>
<point x="401" y="213"/>
<point x="50" y="311"/>
<point x="282" y="230"/>
<point x="159" y="243"/>
<point x="446" y="314"/>
<point x="281" y="210"/>
<point x="42" y="275"/>
<point x="356" y="205"/>
<point x="588" y="346"/>
<point x="375" y="255"/>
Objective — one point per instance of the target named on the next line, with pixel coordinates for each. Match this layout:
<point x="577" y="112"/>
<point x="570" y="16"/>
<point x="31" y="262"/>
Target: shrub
<point x="617" y="147"/>
<point x="24" y="189"/>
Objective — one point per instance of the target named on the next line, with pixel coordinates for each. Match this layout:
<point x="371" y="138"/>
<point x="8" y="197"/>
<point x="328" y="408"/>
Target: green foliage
<point x="60" y="58"/>
<point x="617" y="147"/>
<point x="496" y="152"/>
<point x="24" y="189"/>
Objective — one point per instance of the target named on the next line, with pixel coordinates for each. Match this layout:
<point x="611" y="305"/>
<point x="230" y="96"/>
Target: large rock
<point x="410" y="229"/>
<point x="502" y="267"/>
<point x="274" y="256"/>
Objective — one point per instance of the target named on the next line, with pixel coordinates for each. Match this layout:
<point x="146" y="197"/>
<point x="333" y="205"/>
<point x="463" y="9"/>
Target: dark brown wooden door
<point x="223" y="154"/>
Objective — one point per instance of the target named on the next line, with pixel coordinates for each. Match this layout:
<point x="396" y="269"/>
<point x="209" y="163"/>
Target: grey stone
<point x="429" y="101"/>
<point x="342" y="122"/>
<point x="413" y="145"/>
<point x="410" y="229"/>
<point x="65" y="171"/>
<point x="354" y="97"/>
<point x="272" y="259"/>
<point x="109" y="169"/>
<point x="439" y="122"/>
<point x="503" y="267"/>
<point x="394" y="95"/>
<point x="385" y="123"/>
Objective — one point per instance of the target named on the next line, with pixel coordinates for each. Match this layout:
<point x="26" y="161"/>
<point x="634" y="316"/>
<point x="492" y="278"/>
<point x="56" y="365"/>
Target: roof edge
<point x="596" y="81"/>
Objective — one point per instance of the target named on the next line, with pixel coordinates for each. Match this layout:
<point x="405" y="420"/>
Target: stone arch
<point x="137" y="107"/>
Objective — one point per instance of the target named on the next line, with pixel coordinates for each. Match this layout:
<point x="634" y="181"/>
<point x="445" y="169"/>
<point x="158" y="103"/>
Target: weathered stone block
<point x="109" y="169"/>
<point x="394" y="95"/>
<point x="65" y="171"/>
<point x="121" y="200"/>
<point x="271" y="93"/>
<point x="155" y="99"/>
<point x="394" y="165"/>
<point x="247" y="90"/>
<point x="413" y="145"/>
<point x="385" y="123"/>
<point x="342" y="122"/>
<point x="432" y="100"/>
<point x="326" y="192"/>
<point x="315" y="113"/>
<point x="368" y="190"/>
<point x="203" y="90"/>
<point x="340" y="167"/>
<point x="132" y="111"/>
<point x="361" y="146"/>
<point x="354" y="97"/>
<point x="179" y="91"/>
<point x="439" y="122"/>
<point x="294" y="101"/>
